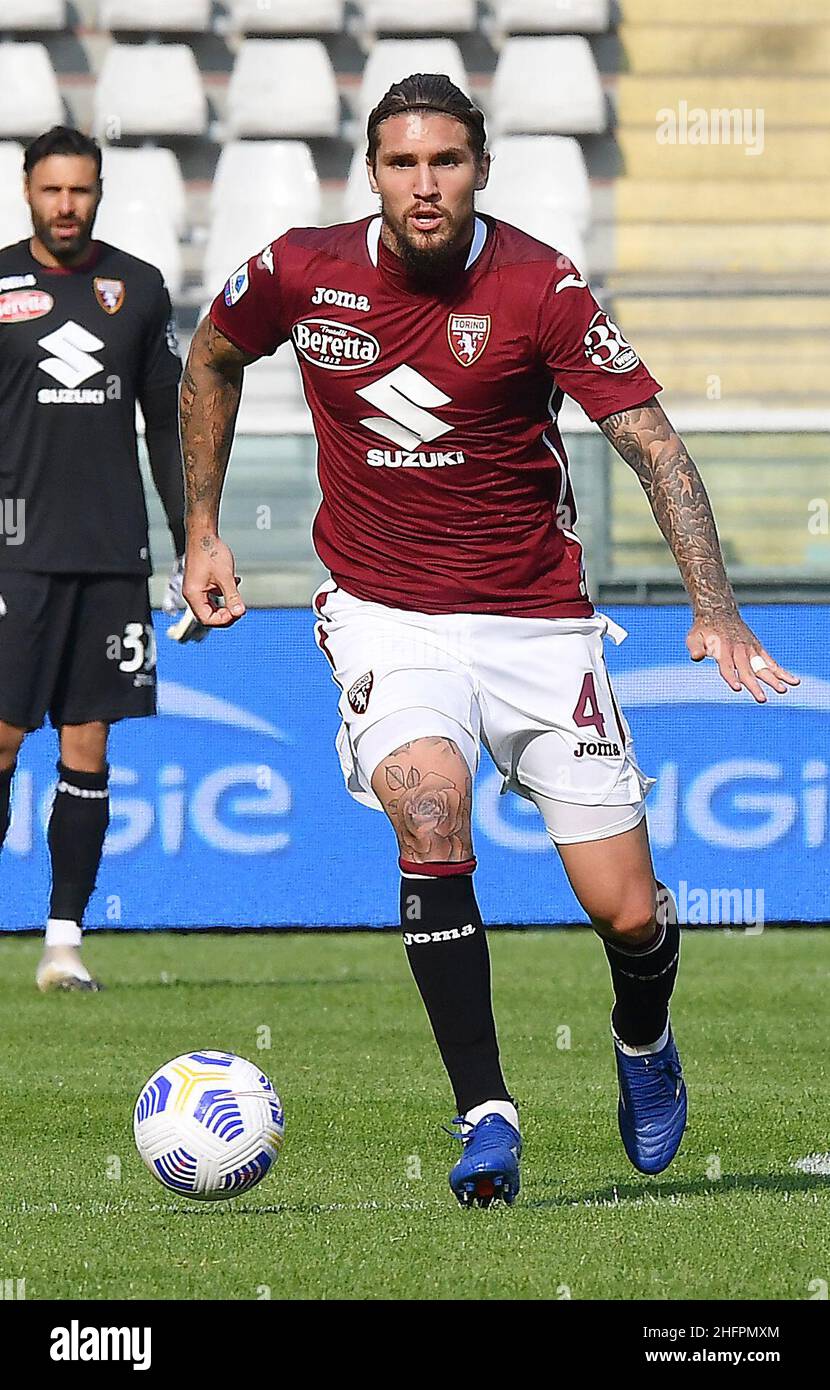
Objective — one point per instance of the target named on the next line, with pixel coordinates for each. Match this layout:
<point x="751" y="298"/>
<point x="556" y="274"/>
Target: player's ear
<point x="370" y="174"/>
<point x="482" y="172"/>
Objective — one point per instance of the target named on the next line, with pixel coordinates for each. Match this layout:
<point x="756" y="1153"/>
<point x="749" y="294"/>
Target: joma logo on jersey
<point x="343" y="299"/>
<point x="339" y="347"/>
<point x="468" y="334"/>
<point x="597" y="750"/>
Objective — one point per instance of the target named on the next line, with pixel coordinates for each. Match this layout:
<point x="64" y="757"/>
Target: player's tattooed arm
<point x="645" y="438"/>
<point x="208" y="405"/>
<point x="209" y="401"/>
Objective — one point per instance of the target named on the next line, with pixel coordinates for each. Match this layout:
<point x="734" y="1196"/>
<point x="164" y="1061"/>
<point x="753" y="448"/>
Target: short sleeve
<point x="162" y="363"/>
<point x="249" y="311"/>
<point x="586" y="352"/>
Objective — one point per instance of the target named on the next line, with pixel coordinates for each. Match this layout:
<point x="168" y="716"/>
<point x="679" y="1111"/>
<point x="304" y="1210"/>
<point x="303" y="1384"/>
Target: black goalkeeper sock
<point x="446" y="945"/>
<point x="6" y="775"/>
<point x="643" y="979"/>
<point x="77" y="826"/>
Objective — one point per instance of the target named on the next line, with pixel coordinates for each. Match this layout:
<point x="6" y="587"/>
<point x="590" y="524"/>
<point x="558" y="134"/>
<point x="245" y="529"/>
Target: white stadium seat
<point x="30" y="101"/>
<point x="549" y="86"/>
<point x="419" y="16"/>
<point x="283" y="87"/>
<point x="240" y="231"/>
<point x="286" y="16"/>
<point x="359" y="200"/>
<point x="544" y="172"/>
<point x="15" y="217"/>
<point x="280" y="173"/>
<point x="552" y="16"/>
<point x="139" y="226"/>
<point x="149" y="89"/>
<point x="552" y="225"/>
<point x="393" y="59"/>
<point x="32" y="14"/>
<point x="152" y="171"/>
<point x="184" y="16"/>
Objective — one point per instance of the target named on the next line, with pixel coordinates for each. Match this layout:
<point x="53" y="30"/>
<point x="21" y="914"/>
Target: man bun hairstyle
<point x="427" y="91"/>
<point x="61" y="139"/>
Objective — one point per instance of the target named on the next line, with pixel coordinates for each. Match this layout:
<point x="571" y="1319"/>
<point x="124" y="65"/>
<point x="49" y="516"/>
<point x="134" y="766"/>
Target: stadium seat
<point x="358" y="199"/>
<point x="15" y="218"/>
<point x="30" y="101"/>
<point x="393" y="59"/>
<point x="32" y="15"/>
<point x="280" y="173"/>
<point x="546" y="173"/>
<point x="283" y="87"/>
<point x="548" y="86"/>
<point x="423" y="17"/>
<point x="138" y="226"/>
<point x="542" y="17"/>
<point x="184" y="16"/>
<point x="149" y="89"/>
<point x="154" y="172"/>
<point x="286" y="16"/>
<point x="238" y="231"/>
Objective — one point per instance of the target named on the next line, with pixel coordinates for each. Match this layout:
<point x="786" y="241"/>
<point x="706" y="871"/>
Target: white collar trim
<point x="372" y="239"/>
<point x="478" y="242"/>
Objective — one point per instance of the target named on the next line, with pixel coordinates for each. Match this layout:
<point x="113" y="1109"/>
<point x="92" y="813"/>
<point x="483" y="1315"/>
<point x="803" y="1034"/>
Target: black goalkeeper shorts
<point x="78" y="646"/>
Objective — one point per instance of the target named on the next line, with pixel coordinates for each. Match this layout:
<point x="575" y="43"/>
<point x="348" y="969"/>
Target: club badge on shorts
<point x="358" y="694"/>
<point x="109" y="293"/>
<point x="468" y="334"/>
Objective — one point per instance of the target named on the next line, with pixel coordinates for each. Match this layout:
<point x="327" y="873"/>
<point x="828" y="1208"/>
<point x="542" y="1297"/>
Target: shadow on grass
<point x="179" y="983"/>
<point x="656" y="1192"/>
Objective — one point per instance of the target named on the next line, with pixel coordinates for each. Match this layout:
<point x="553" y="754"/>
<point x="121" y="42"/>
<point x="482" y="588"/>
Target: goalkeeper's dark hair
<point x="61" y="139"/>
<point x="427" y="91"/>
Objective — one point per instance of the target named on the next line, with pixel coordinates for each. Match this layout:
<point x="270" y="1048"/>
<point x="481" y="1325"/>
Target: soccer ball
<point x="209" y="1125"/>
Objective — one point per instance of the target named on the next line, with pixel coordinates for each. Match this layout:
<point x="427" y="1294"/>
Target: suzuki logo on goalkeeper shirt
<point x="70" y="364"/>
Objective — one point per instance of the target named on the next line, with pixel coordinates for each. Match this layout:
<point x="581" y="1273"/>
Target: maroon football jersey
<point x="444" y="477"/>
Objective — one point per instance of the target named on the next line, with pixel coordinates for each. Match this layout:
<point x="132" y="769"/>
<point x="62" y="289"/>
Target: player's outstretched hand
<point x="741" y="659"/>
<point x="210" y="582"/>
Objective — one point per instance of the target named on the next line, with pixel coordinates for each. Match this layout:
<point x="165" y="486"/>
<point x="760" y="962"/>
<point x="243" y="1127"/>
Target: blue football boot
<point x="652" y="1108"/>
<point x="488" y="1169"/>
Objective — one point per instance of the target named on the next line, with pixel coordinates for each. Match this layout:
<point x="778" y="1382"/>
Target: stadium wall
<point x="229" y="809"/>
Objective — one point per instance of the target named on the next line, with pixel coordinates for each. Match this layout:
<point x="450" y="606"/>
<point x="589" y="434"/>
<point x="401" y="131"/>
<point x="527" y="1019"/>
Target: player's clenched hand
<point x="741" y="659"/>
<point x="210" y="579"/>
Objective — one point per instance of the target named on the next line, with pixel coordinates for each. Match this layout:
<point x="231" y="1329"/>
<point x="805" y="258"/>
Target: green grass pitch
<point x="358" y="1206"/>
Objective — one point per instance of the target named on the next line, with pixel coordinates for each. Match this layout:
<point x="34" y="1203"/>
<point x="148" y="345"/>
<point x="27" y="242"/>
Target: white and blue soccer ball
<point x="209" y="1125"/>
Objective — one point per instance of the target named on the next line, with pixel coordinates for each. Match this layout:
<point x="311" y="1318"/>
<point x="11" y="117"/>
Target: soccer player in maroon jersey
<point x="435" y="347"/>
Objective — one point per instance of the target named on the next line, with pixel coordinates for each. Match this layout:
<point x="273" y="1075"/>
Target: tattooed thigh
<point x="426" y="790"/>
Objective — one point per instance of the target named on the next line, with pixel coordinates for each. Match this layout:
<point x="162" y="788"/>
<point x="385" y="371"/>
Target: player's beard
<point x="68" y="249"/>
<point x="429" y="262"/>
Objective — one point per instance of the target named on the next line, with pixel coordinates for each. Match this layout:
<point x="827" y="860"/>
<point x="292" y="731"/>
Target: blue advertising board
<point x="229" y="809"/>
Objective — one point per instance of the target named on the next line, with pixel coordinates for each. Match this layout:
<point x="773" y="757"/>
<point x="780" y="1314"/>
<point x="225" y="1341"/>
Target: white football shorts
<point x="535" y="691"/>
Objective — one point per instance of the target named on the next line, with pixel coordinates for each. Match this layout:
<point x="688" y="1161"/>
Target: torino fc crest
<point x="468" y="334"/>
<point x="109" y="293"/>
<point x="358" y="694"/>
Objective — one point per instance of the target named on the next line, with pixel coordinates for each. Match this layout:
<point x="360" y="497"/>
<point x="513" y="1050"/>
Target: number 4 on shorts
<point x="587" y="711"/>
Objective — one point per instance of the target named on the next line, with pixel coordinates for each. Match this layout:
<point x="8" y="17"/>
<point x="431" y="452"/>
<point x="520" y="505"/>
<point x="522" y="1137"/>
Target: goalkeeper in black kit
<point x="86" y="331"/>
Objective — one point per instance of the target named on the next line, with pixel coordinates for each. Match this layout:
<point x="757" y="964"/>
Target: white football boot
<point x="60" y="966"/>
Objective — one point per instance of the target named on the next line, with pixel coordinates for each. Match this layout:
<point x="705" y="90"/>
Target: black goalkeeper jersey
<point x="78" y="348"/>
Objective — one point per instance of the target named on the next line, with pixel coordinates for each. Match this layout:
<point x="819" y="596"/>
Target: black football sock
<point x="446" y="945"/>
<point x="77" y="826"/>
<point x="643" y="978"/>
<point x="6" y="775"/>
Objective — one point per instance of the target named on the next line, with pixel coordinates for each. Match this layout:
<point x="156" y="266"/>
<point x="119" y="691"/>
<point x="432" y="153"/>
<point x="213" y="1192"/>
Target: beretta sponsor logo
<point x="339" y="347"/>
<point x="17" y="306"/>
